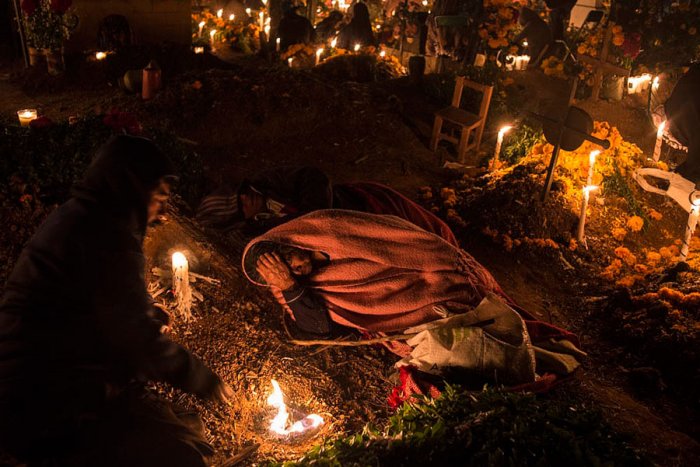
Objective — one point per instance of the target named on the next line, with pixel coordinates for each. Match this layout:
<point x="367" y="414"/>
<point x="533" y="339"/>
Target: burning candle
<point x="382" y="53"/>
<point x="220" y="13"/>
<point x="100" y="55"/>
<point x="264" y="2"/>
<point x="692" y="223"/>
<point x="659" y="141"/>
<point x="277" y="44"/>
<point x="591" y="164"/>
<point x="181" y="284"/>
<point x="247" y="11"/>
<point x="231" y="17"/>
<point x="199" y="50"/>
<point x="499" y="142"/>
<point x="26" y="116"/>
<point x="319" y="52"/>
<point x="655" y="83"/>
<point x="290" y="60"/>
<point x="584" y="207"/>
<point x="261" y="17"/>
<point x="201" y="26"/>
<point x="334" y="42"/>
<point x="357" y="47"/>
<point x="267" y="30"/>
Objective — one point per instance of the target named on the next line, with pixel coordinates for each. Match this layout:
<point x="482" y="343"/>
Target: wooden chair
<point x="470" y="124"/>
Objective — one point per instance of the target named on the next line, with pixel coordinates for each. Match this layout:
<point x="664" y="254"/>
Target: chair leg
<point x="463" y="141"/>
<point x="479" y="133"/>
<point x="437" y="128"/>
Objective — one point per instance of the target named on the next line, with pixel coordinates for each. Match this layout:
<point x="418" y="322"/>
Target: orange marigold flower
<point x="656" y="215"/>
<point x="653" y="258"/>
<point x="627" y="281"/>
<point x="619" y="234"/>
<point x="635" y="223"/>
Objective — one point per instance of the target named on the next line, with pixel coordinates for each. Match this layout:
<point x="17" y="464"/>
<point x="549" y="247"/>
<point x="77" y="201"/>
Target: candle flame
<point x="101" y="55"/>
<point x="504" y="129"/>
<point x="279" y="423"/>
<point x="334" y="42"/>
<point x="593" y="155"/>
<point x="231" y="17"/>
<point x="247" y="11"/>
<point x="655" y="83"/>
<point x="589" y="188"/>
<point x="290" y="60"/>
<point x="267" y="30"/>
<point x="357" y="47"/>
<point x="525" y="43"/>
<point x="660" y="130"/>
<point x="319" y="51"/>
<point x="202" y="24"/>
<point x="220" y="13"/>
<point x="212" y="33"/>
<point x="179" y="260"/>
<point x="382" y="53"/>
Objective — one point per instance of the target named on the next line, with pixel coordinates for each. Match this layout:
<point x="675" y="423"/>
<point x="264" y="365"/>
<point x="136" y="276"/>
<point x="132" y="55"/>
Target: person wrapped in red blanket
<point x="374" y="273"/>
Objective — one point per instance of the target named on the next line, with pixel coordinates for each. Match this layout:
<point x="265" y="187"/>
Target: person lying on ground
<point x="373" y="273"/>
<point x="280" y="195"/>
<point x="79" y="336"/>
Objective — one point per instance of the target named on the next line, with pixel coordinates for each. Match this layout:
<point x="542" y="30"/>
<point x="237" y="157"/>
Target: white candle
<point x="212" y="33"/>
<point x="655" y="84"/>
<point x="659" y="141"/>
<point x="584" y="206"/>
<point x="499" y="142"/>
<point x="690" y="228"/>
<point x="247" y="11"/>
<point x="277" y="44"/>
<point x="199" y="50"/>
<point x="100" y="55"/>
<point x="357" y="47"/>
<point x="591" y="163"/>
<point x="181" y="285"/>
<point x="382" y="53"/>
<point x="334" y="42"/>
<point x="220" y="13"/>
<point x="267" y="30"/>
<point x="261" y="17"/>
<point x="290" y="60"/>
<point x="231" y="17"/>
<point x="26" y="116"/>
<point x="319" y="52"/>
<point x="201" y="26"/>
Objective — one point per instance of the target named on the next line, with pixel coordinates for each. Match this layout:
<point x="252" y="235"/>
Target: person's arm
<point x="310" y="313"/>
<point x="132" y="337"/>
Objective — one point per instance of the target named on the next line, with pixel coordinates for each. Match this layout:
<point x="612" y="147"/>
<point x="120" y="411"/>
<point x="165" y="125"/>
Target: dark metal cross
<point x="567" y="133"/>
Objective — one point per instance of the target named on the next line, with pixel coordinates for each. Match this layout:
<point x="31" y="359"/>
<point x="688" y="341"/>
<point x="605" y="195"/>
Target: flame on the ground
<point x="280" y="422"/>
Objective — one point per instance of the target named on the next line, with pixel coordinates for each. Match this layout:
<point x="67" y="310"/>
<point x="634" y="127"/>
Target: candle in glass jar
<point x="26" y="116"/>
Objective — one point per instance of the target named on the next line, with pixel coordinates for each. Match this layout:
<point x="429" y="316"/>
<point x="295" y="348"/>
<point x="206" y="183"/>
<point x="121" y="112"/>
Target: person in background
<point x="328" y="28"/>
<point x="537" y="33"/>
<point x="294" y="28"/>
<point x="279" y="195"/>
<point x="683" y="113"/>
<point x="358" y="30"/>
<point x="79" y="335"/>
<point x="559" y="14"/>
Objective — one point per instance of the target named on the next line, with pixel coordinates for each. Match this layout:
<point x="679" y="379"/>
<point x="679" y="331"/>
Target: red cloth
<point x="380" y="199"/>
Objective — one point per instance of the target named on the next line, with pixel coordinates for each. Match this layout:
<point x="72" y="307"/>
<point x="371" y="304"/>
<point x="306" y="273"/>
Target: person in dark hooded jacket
<point x="683" y="114"/>
<point x="358" y="31"/>
<point x="78" y="334"/>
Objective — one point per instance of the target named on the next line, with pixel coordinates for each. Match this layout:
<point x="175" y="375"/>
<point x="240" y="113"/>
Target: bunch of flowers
<point x="48" y="23"/>
<point x="499" y="24"/>
<point x="243" y="35"/>
<point x="552" y="66"/>
<point x="622" y="50"/>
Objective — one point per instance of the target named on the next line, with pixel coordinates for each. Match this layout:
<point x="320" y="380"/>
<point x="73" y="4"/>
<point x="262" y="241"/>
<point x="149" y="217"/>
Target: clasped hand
<point x="275" y="271"/>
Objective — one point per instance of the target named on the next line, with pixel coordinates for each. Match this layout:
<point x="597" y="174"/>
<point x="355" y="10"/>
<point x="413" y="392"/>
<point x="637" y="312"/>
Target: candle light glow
<point x="201" y="26"/>
<point x="26" y="116"/>
<point x="499" y="142"/>
<point x="659" y="141"/>
<point x="319" y="52"/>
<point x="357" y="47"/>
<point x="100" y="55"/>
<point x="231" y="17"/>
<point x="220" y="13"/>
<point x="334" y="42"/>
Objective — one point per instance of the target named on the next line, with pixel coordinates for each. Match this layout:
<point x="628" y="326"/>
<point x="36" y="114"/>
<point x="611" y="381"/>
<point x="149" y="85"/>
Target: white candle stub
<point x="201" y="26"/>
<point x="357" y="47"/>
<point x="100" y="55"/>
<point x="231" y="17"/>
<point x="584" y="207"/>
<point x="220" y="13"/>
<point x="181" y="285"/>
<point x="691" y="225"/>
<point x="499" y="142"/>
<point x="319" y="52"/>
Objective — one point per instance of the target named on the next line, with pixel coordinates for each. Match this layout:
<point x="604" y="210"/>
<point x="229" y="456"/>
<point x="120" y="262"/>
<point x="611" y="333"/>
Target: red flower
<point x="632" y="45"/>
<point x="61" y="6"/>
<point x="122" y="122"/>
<point x="29" y="6"/>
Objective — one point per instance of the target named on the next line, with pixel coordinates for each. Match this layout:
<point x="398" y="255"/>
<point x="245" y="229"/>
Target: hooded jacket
<point x="76" y="318"/>
<point x="683" y="113"/>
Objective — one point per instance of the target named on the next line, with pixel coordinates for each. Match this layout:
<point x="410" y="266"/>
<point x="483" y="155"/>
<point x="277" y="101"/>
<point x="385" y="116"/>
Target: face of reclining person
<point x="299" y="262"/>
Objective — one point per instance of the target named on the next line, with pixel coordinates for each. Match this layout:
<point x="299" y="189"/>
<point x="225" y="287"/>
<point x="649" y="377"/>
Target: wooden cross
<point x="602" y="65"/>
<point x="566" y="135"/>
